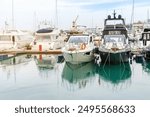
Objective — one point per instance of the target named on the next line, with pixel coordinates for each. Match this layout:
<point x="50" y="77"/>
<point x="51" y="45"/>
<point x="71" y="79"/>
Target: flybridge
<point x="113" y="19"/>
<point x="114" y="25"/>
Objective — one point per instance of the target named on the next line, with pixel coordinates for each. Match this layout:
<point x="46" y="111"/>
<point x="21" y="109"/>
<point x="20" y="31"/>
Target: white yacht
<point x="10" y="39"/>
<point x="79" y="49"/>
<point x="48" y="38"/>
<point x="115" y="46"/>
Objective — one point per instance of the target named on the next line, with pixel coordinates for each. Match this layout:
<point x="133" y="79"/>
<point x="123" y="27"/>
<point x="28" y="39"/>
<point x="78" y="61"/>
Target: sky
<point x="91" y="13"/>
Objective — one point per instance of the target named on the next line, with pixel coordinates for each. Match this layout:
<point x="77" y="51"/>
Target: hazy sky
<point x="91" y="13"/>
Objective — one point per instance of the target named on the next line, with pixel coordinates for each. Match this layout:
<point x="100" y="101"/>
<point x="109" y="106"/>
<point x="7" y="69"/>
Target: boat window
<point x="25" y="37"/>
<point x="114" y="39"/>
<point x="78" y="39"/>
<point x="145" y="36"/>
<point x="5" y="38"/>
<point x="148" y="37"/>
<point x="44" y="37"/>
<point x="114" y="22"/>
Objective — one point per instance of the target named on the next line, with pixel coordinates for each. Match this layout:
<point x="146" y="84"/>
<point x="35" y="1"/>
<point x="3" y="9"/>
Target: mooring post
<point x="40" y="48"/>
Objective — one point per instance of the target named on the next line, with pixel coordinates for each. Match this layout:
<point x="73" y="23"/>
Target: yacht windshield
<point x="114" y="38"/>
<point x="78" y="39"/>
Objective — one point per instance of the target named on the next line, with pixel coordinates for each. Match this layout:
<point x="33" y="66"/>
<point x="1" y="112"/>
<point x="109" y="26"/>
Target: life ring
<point x="83" y="46"/>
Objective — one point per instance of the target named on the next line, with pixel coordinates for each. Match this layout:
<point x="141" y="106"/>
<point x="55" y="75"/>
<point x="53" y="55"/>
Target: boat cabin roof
<point x="45" y="30"/>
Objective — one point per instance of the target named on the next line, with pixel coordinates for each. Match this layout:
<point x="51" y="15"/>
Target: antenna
<point x="114" y="14"/>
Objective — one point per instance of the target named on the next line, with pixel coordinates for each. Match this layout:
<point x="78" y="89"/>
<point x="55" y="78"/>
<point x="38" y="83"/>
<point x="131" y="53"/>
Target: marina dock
<point x="21" y="51"/>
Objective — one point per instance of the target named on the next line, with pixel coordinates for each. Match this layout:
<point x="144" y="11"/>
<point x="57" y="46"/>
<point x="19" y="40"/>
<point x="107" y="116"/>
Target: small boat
<point x="114" y="47"/>
<point x="79" y="49"/>
<point x="145" y="38"/>
<point x="48" y="38"/>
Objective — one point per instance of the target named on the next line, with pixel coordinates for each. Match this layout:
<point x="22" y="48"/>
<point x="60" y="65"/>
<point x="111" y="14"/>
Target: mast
<point x="148" y="20"/>
<point x="56" y="14"/>
<point x="12" y="14"/>
<point x="132" y="15"/>
<point x="34" y="21"/>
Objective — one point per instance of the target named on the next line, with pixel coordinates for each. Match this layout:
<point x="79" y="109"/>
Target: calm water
<point x="49" y="77"/>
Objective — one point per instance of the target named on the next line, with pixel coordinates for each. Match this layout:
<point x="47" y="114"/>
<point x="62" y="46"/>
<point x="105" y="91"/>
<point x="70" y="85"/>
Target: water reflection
<point x="47" y="77"/>
<point x="115" y="74"/>
<point x="10" y="65"/>
<point x="78" y="75"/>
<point x="139" y="60"/>
<point x="16" y="60"/>
<point x="48" y="65"/>
<point x="48" y="61"/>
<point x="146" y="66"/>
<point x="45" y="61"/>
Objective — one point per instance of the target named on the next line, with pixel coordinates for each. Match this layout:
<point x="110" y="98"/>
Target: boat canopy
<point x="45" y="30"/>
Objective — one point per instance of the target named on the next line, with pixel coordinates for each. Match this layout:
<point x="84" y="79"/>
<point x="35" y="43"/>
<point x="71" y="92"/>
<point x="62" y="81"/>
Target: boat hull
<point x="114" y="58"/>
<point x="78" y="57"/>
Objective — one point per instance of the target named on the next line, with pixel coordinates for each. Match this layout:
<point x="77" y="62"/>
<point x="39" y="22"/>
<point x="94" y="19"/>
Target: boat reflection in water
<point x="47" y="65"/>
<point x="146" y="66"/>
<point x="117" y="75"/>
<point x="45" y="61"/>
<point x="48" y="61"/>
<point x="15" y="60"/>
<point x="11" y="65"/>
<point x="78" y="75"/>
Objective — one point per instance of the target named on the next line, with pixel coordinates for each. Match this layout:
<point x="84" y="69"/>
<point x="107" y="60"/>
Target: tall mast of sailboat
<point x="132" y="15"/>
<point x="148" y="16"/>
<point x="56" y="14"/>
<point x="34" y="21"/>
<point x="12" y="14"/>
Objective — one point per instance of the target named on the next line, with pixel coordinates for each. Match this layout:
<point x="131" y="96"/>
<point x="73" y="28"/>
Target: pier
<point x="16" y="52"/>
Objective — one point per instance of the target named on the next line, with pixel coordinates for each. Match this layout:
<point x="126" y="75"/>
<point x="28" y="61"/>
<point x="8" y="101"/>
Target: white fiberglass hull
<point x="77" y="57"/>
<point x="7" y="45"/>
